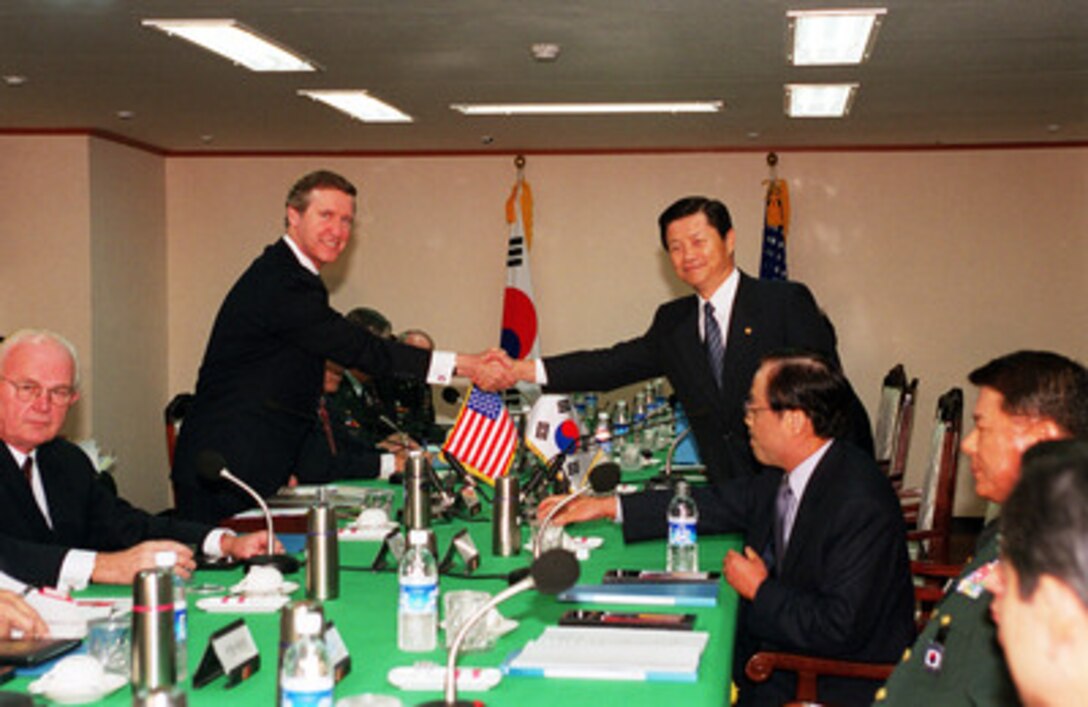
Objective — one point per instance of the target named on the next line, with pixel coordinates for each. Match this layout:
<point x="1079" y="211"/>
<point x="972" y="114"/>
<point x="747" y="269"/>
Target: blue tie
<point x="715" y="347"/>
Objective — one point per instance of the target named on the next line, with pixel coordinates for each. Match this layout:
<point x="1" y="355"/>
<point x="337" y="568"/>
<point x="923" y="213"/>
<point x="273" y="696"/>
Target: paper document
<point x="611" y="654"/>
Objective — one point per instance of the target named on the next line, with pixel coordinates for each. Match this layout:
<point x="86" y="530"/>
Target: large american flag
<point x="484" y="437"/>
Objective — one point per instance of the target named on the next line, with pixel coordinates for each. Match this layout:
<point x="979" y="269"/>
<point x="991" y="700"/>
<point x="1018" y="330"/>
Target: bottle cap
<point x="418" y="536"/>
<point x="166" y="558"/>
<point x="308" y="623"/>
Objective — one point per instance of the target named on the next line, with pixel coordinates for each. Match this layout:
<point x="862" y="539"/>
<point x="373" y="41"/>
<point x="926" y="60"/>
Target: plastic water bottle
<point x="683" y="549"/>
<point x="167" y="559"/>
<point x="603" y="435"/>
<point x="417" y="613"/>
<point x="307" y="679"/>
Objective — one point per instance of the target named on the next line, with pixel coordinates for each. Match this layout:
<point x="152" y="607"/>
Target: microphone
<point x="553" y="572"/>
<point x="447" y="499"/>
<point x="468" y="494"/>
<point x="603" y="478"/>
<point x="664" y="479"/>
<point x="212" y="467"/>
<point x="451" y="395"/>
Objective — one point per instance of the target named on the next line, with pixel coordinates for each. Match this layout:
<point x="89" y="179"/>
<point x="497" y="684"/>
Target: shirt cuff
<point x="541" y="373"/>
<point x="388" y="467"/>
<point x="619" y="511"/>
<point x="76" y="570"/>
<point x="442" y="366"/>
<point x="213" y="542"/>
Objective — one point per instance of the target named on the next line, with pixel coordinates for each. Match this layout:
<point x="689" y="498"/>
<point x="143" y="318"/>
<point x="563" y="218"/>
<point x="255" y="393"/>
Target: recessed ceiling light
<point x="815" y="100"/>
<point x="360" y="105"/>
<point x="125" y="115"/>
<point x="832" y="37"/>
<point x="586" y="108"/>
<point x="14" y="80"/>
<point x="235" y="41"/>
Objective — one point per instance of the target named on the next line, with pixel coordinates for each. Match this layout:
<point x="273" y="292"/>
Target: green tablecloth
<point x="365" y="613"/>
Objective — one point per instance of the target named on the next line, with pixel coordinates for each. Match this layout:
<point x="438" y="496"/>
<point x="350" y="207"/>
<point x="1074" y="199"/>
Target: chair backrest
<point x="174" y="414"/>
<point x="939" y="487"/>
<point x="904" y="427"/>
<point x="891" y="393"/>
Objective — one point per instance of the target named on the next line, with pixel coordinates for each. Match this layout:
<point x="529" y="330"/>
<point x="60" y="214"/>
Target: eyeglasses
<point x="750" y="409"/>
<point x="29" y="391"/>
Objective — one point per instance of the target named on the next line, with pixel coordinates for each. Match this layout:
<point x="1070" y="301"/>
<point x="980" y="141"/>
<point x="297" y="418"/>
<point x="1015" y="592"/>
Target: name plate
<point x="231" y="651"/>
<point x="338" y="652"/>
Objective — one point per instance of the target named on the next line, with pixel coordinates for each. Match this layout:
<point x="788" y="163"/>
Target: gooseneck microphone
<point x="212" y="467"/>
<point x="553" y="572"/>
<point x="603" y="478"/>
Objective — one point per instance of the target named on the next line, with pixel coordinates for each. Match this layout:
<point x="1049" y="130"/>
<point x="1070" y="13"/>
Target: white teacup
<point x="261" y="579"/>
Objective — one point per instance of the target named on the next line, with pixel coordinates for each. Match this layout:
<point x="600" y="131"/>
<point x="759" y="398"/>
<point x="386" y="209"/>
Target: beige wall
<point x="939" y="260"/>
<point x="45" y="265"/>
<point x="128" y="295"/>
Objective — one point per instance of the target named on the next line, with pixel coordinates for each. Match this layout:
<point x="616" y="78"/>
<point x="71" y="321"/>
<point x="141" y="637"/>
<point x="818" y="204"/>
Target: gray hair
<point x="40" y="336"/>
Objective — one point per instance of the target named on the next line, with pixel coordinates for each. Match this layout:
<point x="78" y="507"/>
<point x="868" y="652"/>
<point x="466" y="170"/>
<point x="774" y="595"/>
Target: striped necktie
<point x="783" y="507"/>
<point x="715" y="347"/>
<point x="28" y="469"/>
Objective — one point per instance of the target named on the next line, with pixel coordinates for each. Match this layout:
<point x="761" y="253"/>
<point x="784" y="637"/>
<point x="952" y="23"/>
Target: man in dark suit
<point x="60" y="525"/>
<point x="707" y="344"/>
<point x="257" y="392"/>
<point x="824" y="569"/>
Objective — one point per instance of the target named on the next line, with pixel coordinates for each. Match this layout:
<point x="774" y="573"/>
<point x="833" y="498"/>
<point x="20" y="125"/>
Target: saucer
<point x="286" y="588"/>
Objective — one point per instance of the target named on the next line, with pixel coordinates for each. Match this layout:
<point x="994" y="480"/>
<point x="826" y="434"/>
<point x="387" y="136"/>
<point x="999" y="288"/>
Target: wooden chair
<point x="928" y="509"/>
<point x="895" y="423"/>
<point x="929" y="588"/>
<point x="174" y="413"/>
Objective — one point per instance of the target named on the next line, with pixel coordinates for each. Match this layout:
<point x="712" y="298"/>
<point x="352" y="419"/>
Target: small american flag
<point x="484" y="437"/>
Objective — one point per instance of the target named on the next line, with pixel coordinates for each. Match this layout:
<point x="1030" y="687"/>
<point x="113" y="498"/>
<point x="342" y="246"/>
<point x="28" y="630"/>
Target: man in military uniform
<point x="1024" y="398"/>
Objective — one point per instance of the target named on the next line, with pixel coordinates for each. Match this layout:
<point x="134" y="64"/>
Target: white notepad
<point x="611" y="654"/>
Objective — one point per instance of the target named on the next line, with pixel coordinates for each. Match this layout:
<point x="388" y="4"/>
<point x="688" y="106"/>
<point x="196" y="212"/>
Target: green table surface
<point x="365" y="614"/>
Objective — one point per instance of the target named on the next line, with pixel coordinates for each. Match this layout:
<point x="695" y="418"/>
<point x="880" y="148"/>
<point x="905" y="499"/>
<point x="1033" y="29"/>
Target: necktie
<point x="715" y="347"/>
<point x="28" y="469"/>
<point x="783" y="508"/>
<point x="323" y="413"/>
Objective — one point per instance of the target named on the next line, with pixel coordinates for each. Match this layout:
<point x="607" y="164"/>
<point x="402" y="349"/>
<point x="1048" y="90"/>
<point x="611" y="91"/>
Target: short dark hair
<point x="1040" y="384"/>
<point x="372" y="320"/>
<point x="298" y="198"/>
<point x="1044" y="522"/>
<point x="717" y="215"/>
<point x="812" y="383"/>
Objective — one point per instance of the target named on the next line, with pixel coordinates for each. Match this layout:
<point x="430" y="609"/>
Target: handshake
<point x="494" y="369"/>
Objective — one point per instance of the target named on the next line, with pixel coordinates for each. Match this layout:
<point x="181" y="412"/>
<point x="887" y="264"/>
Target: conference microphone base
<point x="284" y="563"/>
<point x="458" y="703"/>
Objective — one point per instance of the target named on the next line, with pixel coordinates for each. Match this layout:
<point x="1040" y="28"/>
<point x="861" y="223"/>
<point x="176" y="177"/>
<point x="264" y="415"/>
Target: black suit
<point x="261" y="377"/>
<point x="85" y="513"/>
<point x="767" y="315"/>
<point x="843" y="589"/>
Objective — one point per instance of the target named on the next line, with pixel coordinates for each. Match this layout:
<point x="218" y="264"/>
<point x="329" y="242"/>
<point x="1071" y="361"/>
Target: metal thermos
<point x="417" y="494"/>
<point x="505" y="531"/>
<point x="154" y="658"/>
<point x="322" y="552"/>
<point x="288" y="621"/>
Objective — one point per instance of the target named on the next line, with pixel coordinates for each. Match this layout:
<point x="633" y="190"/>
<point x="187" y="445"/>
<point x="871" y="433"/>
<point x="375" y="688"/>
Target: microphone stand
<point x="284" y="563"/>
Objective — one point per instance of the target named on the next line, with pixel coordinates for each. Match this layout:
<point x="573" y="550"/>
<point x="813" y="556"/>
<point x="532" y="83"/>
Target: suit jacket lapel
<point x="738" y="343"/>
<point x="23" y="503"/>
<point x="820" y="486"/>
<point x="692" y="354"/>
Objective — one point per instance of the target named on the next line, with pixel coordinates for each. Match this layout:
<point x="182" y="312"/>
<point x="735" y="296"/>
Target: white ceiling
<point x="943" y="72"/>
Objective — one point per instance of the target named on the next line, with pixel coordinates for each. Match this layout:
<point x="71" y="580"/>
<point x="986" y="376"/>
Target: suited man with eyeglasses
<point x="59" y="526"/>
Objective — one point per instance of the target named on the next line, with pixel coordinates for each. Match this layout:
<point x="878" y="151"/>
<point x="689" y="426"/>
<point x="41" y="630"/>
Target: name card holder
<point x="338" y="652"/>
<point x="231" y="651"/>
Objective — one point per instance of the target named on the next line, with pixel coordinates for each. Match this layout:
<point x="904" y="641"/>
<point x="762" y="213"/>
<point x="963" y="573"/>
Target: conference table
<point x="365" y="614"/>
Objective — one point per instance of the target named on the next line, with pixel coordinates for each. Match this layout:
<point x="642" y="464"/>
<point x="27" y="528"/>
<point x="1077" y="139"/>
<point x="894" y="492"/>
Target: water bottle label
<point x="682" y="533"/>
<point x="307" y="698"/>
<point x="181" y="623"/>
<point x="419" y="598"/>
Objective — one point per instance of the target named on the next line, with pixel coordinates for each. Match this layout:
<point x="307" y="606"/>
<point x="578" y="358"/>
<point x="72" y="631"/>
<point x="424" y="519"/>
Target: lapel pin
<point x="747" y="331"/>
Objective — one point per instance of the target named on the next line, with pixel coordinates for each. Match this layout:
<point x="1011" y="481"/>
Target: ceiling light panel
<point x="820" y="100"/>
<point x="359" y="105"/>
<point x="586" y="108"/>
<point x="233" y="40"/>
<point x="832" y="37"/>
